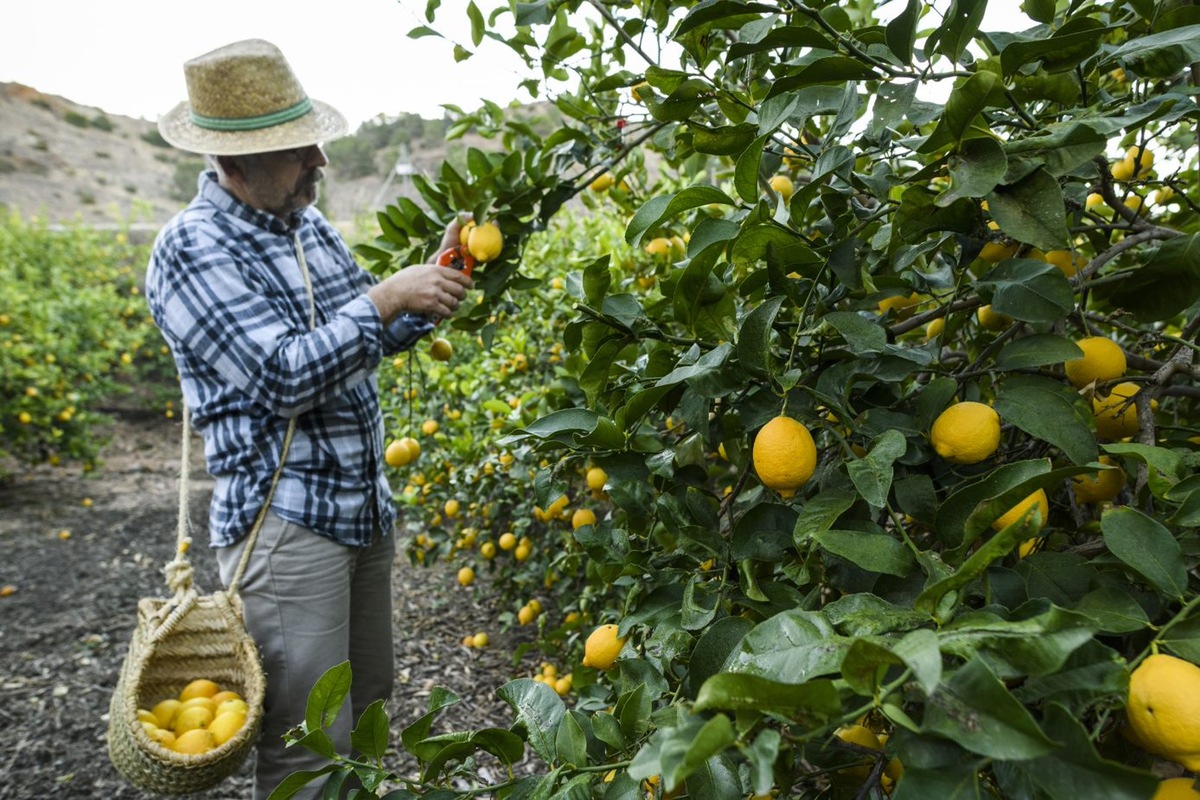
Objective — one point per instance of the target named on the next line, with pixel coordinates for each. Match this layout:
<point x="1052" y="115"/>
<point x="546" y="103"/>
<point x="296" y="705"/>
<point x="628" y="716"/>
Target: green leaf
<point x="967" y="101"/>
<point x="659" y="209"/>
<point x="1165" y="462"/>
<point x="863" y="614"/>
<point x="1183" y="639"/>
<point x="570" y="742"/>
<point x="1076" y="41"/>
<point x="964" y="503"/>
<point x="975" y="710"/>
<point x="596" y="280"/>
<point x="921" y="653"/>
<point x="872" y="475"/>
<point x="747" y="172"/>
<point x="727" y="140"/>
<point x="1059" y="147"/>
<point x="370" y="736"/>
<point x="975" y="169"/>
<point x="1039" y="10"/>
<point x="865" y="665"/>
<point x="538" y="710"/>
<point x="762" y="533"/>
<point x="1077" y="770"/>
<point x="874" y="552"/>
<point x="755" y="340"/>
<point x="1029" y="290"/>
<point x="1147" y="547"/>
<point x="677" y="752"/>
<point x="820" y="513"/>
<point x="1043" y="412"/>
<point x="1036" y="350"/>
<point x="920" y="215"/>
<point x="828" y="69"/>
<point x="714" y="647"/>
<point x="1159" y="55"/>
<point x="791" y="647"/>
<point x="1035" y="645"/>
<point x="327" y="697"/>
<point x="862" y="335"/>
<point x="727" y="12"/>
<point x="958" y="28"/>
<point x="901" y="32"/>
<point x="1032" y="211"/>
<point x="1167" y="284"/>
<point x="418" y="731"/>
<point x="1113" y="610"/>
<point x="814" y="700"/>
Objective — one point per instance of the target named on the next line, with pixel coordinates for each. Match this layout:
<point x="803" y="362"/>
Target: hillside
<point x="66" y="162"/>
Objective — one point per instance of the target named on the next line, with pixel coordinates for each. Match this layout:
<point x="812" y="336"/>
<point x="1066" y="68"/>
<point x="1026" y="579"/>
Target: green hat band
<point x="253" y="123"/>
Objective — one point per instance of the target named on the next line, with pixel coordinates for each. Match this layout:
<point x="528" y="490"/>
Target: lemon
<point x="522" y="552"/>
<point x="1094" y="199"/>
<point x="192" y="718"/>
<point x="201" y="687"/>
<point x="1038" y="499"/>
<point x="507" y="541"/>
<point x="1141" y="158"/>
<point x="464" y="233"/>
<point x="165" y="712"/>
<point x="562" y="686"/>
<point x="526" y="615"/>
<point x="466" y="576"/>
<point x="659" y="246"/>
<point x="1101" y="487"/>
<point x="992" y="320"/>
<point x="596" y="478"/>
<point x="901" y="305"/>
<point x="862" y="736"/>
<point x="488" y="550"/>
<point x="556" y="509"/>
<point x="935" y="328"/>
<point x="784" y="455"/>
<point x="602" y="647"/>
<point x="397" y="454"/>
<point x="1163" y="707"/>
<point x="1068" y="263"/>
<point x="451" y="508"/>
<point x="226" y="726"/>
<point x="195" y="742"/>
<point x="480" y="640"/>
<point x="966" y="432"/>
<point x="225" y="694"/>
<point x="485" y="241"/>
<point x="784" y="186"/>
<point x="232" y="704"/>
<point x="1102" y="360"/>
<point x="162" y="737"/>
<point x="441" y="350"/>
<point x="430" y="426"/>
<point x="998" y="251"/>
<point x="602" y="182"/>
<point x="1116" y="415"/>
<point x="1177" y="789"/>
<point x="581" y="517"/>
<point x="1123" y="170"/>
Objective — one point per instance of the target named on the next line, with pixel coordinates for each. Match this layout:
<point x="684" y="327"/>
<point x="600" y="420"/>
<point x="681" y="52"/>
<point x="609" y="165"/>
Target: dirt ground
<point x="80" y="550"/>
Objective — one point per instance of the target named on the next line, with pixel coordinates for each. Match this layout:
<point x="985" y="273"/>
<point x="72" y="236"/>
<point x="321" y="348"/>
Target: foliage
<point x="995" y="661"/>
<point x="74" y="331"/>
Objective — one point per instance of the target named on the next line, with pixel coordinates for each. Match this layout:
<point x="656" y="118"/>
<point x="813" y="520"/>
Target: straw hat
<point x="243" y="98"/>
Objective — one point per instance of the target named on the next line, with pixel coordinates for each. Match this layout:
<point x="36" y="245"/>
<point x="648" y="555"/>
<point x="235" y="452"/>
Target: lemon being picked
<point x="1164" y="707"/>
<point x="784" y="455"/>
<point x="485" y="241"/>
<point x="1177" y="789"/>
<point x="966" y="432"/>
<point x="1102" y="360"/>
<point x="602" y="647"/>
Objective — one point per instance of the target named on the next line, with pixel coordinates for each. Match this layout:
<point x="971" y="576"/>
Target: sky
<point x="126" y="56"/>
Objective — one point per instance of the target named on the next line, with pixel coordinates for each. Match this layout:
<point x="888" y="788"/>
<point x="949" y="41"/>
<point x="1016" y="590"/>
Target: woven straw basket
<point x="175" y="642"/>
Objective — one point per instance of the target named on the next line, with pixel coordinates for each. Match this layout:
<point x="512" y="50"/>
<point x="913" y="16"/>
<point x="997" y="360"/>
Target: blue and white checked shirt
<point x="226" y="290"/>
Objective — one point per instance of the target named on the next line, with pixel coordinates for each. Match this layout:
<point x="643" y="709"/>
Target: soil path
<point x="80" y="550"/>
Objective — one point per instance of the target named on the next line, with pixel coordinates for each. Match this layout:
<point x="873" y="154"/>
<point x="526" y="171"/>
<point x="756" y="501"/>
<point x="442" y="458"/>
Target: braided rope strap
<point x="188" y="636"/>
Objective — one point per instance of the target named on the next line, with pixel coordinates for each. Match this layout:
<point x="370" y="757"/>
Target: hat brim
<point x="324" y="123"/>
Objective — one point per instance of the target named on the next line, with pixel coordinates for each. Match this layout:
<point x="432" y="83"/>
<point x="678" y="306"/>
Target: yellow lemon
<point x="862" y="736"/>
<point x="901" y="305"/>
<point x="165" y="712"/>
<point x="1102" y="360"/>
<point x="226" y="726"/>
<point x="526" y="615"/>
<point x="194" y="742"/>
<point x="430" y="426"/>
<point x="162" y="737"/>
<point x="602" y="182"/>
<point x="992" y="320"/>
<point x="466" y="576"/>
<point x="485" y="241"/>
<point x="1036" y="500"/>
<point x="146" y="715"/>
<point x="581" y="517"/>
<point x="659" y="246"/>
<point x="191" y="718"/>
<point x="480" y="640"/>
<point x="1163" y="707"/>
<point x="966" y="432"/>
<point x="1123" y="170"/>
<point x="201" y="687"/>
<point x="602" y="647"/>
<point x="488" y="550"/>
<point x="1142" y="158"/>
<point x="397" y="454"/>
<point x="507" y="541"/>
<point x="1116" y="415"/>
<point x="451" y="508"/>
<point x="596" y="478"/>
<point x="784" y="186"/>
<point x="1177" y="789"/>
<point x="562" y="686"/>
<point x="556" y="508"/>
<point x="1068" y="263"/>
<point x="1101" y="487"/>
<point x="784" y="455"/>
<point x="225" y="694"/>
<point x="935" y="328"/>
<point x="998" y="251"/>
<point x="441" y="350"/>
<point x="232" y="704"/>
<point x="522" y="552"/>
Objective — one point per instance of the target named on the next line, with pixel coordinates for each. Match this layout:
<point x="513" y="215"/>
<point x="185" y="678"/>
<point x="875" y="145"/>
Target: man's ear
<point x="231" y="167"/>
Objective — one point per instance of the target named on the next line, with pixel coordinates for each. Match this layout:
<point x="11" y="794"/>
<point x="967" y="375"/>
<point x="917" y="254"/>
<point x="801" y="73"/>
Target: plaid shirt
<point x="226" y="290"/>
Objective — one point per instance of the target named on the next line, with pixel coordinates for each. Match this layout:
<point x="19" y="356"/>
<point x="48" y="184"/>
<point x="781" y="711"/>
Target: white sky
<point x="126" y="56"/>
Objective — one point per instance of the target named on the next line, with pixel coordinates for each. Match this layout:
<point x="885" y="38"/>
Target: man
<point x="227" y="285"/>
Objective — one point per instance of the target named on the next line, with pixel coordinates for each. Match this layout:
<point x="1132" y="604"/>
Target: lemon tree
<point x="964" y="605"/>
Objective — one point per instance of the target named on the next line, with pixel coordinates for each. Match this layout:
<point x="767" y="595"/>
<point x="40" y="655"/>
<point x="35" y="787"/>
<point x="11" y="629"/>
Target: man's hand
<point x="421" y="288"/>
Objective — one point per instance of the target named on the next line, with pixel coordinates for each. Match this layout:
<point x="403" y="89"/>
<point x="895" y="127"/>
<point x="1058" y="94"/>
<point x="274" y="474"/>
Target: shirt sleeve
<point x="405" y="331"/>
<point x="224" y="315"/>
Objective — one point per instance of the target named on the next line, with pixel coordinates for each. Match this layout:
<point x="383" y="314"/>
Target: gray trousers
<point x="311" y="604"/>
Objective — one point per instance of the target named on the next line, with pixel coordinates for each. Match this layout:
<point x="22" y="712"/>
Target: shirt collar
<point x="212" y="192"/>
